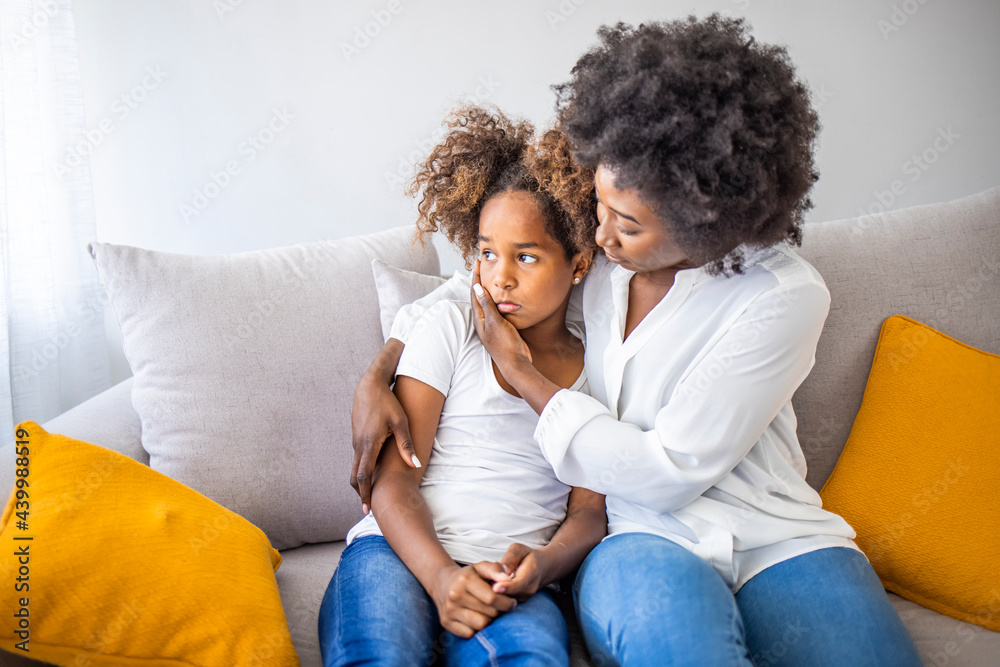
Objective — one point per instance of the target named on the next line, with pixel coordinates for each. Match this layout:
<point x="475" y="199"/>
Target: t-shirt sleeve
<point x="455" y="288"/>
<point x="436" y="340"/>
<point x="717" y="412"/>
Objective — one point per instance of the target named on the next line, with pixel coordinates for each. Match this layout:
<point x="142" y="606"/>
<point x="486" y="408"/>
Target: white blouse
<point x="690" y="430"/>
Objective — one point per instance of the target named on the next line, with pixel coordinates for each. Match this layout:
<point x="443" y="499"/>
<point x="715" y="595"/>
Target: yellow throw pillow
<point x="107" y="562"/>
<point x="919" y="478"/>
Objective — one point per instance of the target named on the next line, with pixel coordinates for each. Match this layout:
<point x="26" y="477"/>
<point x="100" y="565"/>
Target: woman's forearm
<point x="407" y="526"/>
<point x="585" y="526"/>
<point x="383" y="366"/>
<point x="536" y="389"/>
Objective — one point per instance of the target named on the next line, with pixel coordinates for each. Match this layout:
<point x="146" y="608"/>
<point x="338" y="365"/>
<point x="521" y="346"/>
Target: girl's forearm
<point x="407" y="526"/>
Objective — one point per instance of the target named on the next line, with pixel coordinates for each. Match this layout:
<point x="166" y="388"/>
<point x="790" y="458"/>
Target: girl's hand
<point x="499" y="336"/>
<point x="524" y="572"/>
<point x="465" y="601"/>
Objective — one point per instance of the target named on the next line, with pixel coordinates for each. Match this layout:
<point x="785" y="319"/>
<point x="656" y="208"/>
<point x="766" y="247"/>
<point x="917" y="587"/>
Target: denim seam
<point x="490" y="649"/>
<point x="735" y="626"/>
<point x="605" y="627"/>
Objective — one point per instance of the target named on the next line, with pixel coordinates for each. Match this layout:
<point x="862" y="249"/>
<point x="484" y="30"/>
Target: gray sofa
<point x="939" y="264"/>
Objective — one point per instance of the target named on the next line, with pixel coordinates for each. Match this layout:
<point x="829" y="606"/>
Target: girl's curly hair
<point x="712" y="129"/>
<point x="484" y="154"/>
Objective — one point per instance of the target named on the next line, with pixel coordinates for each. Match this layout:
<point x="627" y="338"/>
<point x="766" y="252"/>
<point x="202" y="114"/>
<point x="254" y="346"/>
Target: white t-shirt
<point x="690" y="430"/>
<point x="487" y="484"/>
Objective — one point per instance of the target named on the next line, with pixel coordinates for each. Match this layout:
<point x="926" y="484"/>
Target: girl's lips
<point x="508" y="307"/>
<point x="611" y="258"/>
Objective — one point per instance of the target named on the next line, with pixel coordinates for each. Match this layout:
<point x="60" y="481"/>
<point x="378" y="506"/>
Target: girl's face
<point x="524" y="269"/>
<point x="630" y="232"/>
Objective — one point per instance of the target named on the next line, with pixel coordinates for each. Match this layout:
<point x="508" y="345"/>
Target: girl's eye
<point x="626" y="232"/>
<point x="486" y="254"/>
<point x="527" y="259"/>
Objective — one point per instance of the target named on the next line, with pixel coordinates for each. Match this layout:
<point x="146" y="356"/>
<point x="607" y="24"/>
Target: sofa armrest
<point x="107" y="419"/>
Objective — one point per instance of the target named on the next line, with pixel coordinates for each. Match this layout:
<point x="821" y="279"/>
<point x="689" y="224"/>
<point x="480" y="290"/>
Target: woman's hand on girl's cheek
<point x="499" y="336"/>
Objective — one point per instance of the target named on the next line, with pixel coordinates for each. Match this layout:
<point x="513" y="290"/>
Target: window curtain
<point x="53" y="350"/>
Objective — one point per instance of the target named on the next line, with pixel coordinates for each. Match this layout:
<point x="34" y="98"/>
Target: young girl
<point x="469" y="542"/>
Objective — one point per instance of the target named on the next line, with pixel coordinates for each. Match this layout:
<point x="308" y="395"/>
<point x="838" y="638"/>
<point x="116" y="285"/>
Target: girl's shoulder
<point x="446" y="319"/>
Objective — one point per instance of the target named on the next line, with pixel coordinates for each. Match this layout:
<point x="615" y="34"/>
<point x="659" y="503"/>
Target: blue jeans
<point x="375" y="612"/>
<point x="644" y="600"/>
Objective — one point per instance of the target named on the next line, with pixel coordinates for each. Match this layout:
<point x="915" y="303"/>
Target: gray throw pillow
<point x="245" y="367"/>
<point x="398" y="287"/>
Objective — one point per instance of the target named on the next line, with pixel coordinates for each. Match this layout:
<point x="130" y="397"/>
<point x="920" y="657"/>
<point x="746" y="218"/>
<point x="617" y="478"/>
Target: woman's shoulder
<point x="780" y="267"/>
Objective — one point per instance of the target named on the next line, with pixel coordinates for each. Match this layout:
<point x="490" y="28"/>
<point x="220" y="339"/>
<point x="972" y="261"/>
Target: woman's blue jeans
<point x="644" y="600"/>
<point x="375" y="612"/>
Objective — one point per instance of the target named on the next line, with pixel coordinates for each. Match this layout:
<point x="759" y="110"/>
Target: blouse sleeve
<point x="717" y="412"/>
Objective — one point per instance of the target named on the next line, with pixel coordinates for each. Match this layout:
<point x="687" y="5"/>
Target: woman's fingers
<point x="401" y="430"/>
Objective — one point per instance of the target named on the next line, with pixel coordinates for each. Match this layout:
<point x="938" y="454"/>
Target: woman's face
<point x="524" y="269"/>
<point x="630" y="232"/>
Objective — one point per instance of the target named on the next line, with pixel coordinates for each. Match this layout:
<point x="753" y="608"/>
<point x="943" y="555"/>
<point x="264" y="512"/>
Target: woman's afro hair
<point x="713" y="130"/>
<point x="483" y="154"/>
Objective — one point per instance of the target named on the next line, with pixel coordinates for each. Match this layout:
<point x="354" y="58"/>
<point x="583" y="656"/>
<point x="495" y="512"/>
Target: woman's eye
<point x="527" y="259"/>
<point x="626" y="232"/>
<point x="486" y="254"/>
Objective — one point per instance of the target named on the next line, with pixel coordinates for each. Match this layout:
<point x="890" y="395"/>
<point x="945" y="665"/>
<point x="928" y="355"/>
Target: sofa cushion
<point x="921" y="468"/>
<point x="123" y="565"/>
<point x="244" y="370"/>
<point x="939" y="264"/>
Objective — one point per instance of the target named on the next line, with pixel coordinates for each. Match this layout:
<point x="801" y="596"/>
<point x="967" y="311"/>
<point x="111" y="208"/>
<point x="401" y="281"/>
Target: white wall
<point x="889" y="79"/>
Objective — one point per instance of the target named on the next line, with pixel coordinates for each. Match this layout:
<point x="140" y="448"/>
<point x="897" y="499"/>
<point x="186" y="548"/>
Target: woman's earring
<point x="576" y="281"/>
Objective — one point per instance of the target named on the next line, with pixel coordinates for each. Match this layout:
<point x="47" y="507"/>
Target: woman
<point x="700" y="326"/>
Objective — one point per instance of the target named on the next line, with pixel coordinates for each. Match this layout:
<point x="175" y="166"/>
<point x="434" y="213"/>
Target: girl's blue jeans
<point x="644" y="600"/>
<point x="375" y="612"/>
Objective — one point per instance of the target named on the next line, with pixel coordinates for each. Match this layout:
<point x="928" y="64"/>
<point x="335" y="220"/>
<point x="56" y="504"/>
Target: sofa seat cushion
<point x="303" y="578"/>
<point x="944" y="641"/>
